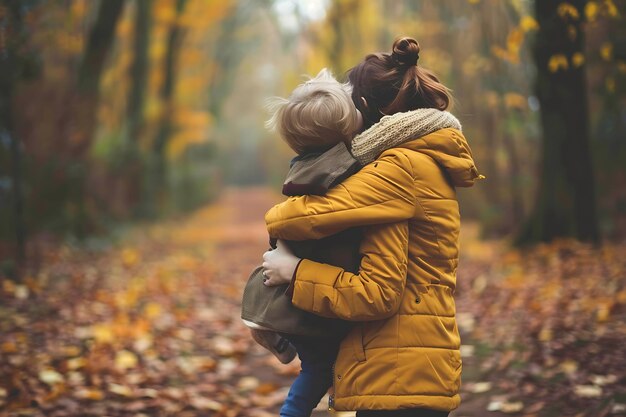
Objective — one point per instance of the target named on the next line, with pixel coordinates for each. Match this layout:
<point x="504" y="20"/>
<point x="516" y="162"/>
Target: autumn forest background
<point x="135" y="170"/>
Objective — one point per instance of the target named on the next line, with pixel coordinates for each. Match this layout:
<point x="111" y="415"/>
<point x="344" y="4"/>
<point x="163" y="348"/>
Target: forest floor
<point x="148" y="325"/>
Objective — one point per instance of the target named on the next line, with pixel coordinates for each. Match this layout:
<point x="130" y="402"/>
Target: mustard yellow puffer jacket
<point x="407" y="355"/>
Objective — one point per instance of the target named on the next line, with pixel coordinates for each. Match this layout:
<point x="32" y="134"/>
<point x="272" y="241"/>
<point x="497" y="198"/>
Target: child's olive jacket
<point x="409" y="356"/>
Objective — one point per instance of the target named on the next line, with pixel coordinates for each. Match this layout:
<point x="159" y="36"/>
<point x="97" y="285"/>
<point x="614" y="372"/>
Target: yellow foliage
<point x="578" y="59"/>
<point x="514" y="41"/>
<point x="515" y="101"/>
<point x="502" y="53"/>
<point x="188" y="87"/>
<point x="558" y="62"/>
<point x="164" y="12"/>
<point x="528" y="23"/>
<point x="156" y="50"/>
<point x="606" y="51"/>
<point x="353" y="16"/>
<point x="591" y="10"/>
<point x="621" y="67"/>
<point x="193" y="118"/>
<point x="611" y="9"/>
<point x="200" y="14"/>
<point x="191" y="57"/>
<point x="567" y="10"/>
<point x="182" y="139"/>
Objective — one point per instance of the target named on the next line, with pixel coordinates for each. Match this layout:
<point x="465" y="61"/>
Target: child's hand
<point x="279" y="264"/>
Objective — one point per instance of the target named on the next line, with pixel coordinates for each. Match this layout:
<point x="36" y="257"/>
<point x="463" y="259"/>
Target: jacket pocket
<point x="356" y="343"/>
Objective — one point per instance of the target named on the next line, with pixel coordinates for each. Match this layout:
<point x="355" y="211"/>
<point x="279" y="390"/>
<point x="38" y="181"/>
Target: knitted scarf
<point x="399" y="128"/>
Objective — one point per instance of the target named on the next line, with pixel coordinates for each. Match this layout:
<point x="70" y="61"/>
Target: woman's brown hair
<point x="393" y="82"/>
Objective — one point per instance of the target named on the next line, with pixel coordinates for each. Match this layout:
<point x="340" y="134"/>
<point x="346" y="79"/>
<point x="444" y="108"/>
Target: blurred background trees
<point x="118" y="110"/>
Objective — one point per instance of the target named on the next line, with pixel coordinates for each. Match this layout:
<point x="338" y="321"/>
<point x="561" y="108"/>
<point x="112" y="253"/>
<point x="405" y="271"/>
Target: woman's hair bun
<point x="406" y="51"/>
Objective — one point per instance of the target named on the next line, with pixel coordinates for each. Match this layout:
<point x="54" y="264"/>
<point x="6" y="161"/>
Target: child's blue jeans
<point x="316" y="374"/>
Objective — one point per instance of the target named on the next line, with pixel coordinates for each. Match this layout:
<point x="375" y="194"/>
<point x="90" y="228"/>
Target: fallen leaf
<point x="148" y="393"/>
<point x="21" y="292"/>
<point x="494" y="406"/>
<point x="467" y="351"/>
<point x="89" y="394"/>
<point x="202" y="403"/>
<point x="602" y="380"/>
<point x="51" y="377"/>
<point x="514" y="407"/>
<point x="70" y="351"/>
<point x="76" y="363"/>
<point x="125" y="359"/>
<point x="122" y="390"/>
<point x="266" y="388"/>
<point x="569" y="367"/>
<point x="480" y="387"/>
<point x="588" y="391"/>
<point x="248" y="383"/>
<point x="9" y="347"/>
<point x="103" y="333"/>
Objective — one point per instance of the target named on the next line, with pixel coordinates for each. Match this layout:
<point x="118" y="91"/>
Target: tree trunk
<point x="11" y="27"/>
<point x="565" y="205"/>
<point x="84" y="102"/>
<point x="98" y="45"/>
<point x="130" y="184"/>
<point x="157" y="180"/>
<point x="139" y="69"/>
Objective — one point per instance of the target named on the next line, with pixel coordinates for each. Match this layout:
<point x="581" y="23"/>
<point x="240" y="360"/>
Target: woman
<point x="407" y="363"/>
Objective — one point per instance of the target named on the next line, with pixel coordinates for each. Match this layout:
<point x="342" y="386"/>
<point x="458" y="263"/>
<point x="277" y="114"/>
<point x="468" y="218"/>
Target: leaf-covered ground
<point x="149" y="325"/>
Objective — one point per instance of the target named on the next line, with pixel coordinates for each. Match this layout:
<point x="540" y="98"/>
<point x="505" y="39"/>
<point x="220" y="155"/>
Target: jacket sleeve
<point x="382" y="192"/>
<point x="372" y="294"/>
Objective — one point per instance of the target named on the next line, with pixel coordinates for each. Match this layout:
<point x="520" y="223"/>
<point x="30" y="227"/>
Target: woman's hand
<point x="279" y="264"/>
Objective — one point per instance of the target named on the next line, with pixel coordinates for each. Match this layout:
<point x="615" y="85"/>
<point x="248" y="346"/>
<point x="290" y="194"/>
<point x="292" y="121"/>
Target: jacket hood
<point x="449" y="148"/>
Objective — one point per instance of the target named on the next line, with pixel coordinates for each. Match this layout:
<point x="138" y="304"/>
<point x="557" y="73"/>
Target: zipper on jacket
<point x="331" y="397"/>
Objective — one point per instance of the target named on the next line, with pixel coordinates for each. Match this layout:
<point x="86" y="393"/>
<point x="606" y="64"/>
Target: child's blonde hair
<point x="317" y="115"/>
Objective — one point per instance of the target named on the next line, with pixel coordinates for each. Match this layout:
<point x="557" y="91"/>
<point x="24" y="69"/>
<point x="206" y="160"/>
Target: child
<point x="318" y="117"/>
<point x="318" y="120"/>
